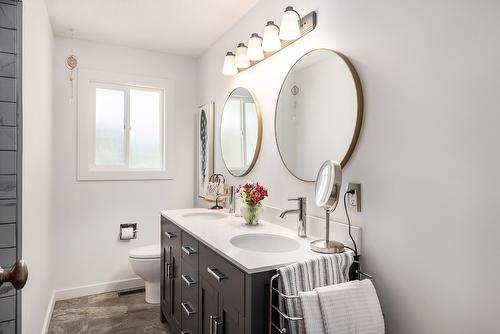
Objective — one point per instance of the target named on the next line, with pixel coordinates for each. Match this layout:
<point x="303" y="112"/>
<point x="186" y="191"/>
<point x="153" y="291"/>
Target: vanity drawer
<point x="190" y="283"/>
<point x="226" y="277"/>
<point x="189" y="318"/>
<point x="189" y="250"/>
<point x="170" y="234"/>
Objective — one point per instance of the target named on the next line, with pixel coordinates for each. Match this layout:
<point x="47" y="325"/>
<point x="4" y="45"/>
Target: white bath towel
<point x="305" y="276"/>
<point x="311" y="311"/>
<point x="351" y="308"/>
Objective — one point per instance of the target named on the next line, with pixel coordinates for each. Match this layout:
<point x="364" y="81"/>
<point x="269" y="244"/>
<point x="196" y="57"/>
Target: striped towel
<point x="311" y="274"/>
<point x="351" y="307"/>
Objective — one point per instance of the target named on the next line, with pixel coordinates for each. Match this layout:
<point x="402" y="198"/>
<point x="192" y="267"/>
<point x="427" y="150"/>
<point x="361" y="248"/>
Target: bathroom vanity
<point x="216" y="270"/>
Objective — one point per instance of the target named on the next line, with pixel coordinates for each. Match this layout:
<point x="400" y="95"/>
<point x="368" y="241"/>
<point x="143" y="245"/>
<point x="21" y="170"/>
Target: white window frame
<point x="88" y="81"/>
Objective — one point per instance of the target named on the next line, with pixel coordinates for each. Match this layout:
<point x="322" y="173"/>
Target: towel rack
<point x="281" y="314"/>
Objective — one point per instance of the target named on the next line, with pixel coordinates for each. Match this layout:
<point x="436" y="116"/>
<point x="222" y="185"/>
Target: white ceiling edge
<point x="184" y="28"/>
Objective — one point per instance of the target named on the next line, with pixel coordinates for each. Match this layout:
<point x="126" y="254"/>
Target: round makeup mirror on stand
<point x="328" y="184"/>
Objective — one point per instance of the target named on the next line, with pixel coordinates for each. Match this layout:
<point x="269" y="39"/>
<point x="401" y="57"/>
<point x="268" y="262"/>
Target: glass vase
<point x="251" y="213"/>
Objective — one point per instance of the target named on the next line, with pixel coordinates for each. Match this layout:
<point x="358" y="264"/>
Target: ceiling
<point x="183" y="27"/>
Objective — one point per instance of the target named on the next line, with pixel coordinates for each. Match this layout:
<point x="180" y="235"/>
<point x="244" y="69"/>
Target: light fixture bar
<point x="307" y="24"/>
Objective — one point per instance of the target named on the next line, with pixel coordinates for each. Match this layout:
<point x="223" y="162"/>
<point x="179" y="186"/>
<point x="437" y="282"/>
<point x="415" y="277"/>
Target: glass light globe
<point x="290" y="25"/>
<point x="271" y="40"/>
<point x="229" y="67"/>
<point x="255" y="51"/>
<point x="241" y="60"/>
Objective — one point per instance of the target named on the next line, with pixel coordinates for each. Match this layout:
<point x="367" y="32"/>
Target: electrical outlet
<point x="354" y="199"/>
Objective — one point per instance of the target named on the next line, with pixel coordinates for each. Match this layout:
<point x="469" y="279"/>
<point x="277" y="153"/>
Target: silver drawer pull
<point x="188" y="308"/>
<point x="188" y="279"/>
<point x="170" y="235"/>
<point x="188" y="250"/>
<point x="216" y="274"/>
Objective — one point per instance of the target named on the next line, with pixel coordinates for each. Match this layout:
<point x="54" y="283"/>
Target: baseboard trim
<point x="93" y="289"/>
<point x="48" y="314"/>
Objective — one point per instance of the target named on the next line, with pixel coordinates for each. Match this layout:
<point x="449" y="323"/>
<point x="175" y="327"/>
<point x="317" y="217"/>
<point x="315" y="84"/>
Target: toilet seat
<point x="145" y="252"/>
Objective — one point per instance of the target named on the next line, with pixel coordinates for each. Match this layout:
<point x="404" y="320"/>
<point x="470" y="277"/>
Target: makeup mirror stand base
<point x="326" y="245"/>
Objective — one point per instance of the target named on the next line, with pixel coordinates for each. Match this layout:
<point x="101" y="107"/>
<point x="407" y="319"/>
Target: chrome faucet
<point x="232" y="199"/>
<point x="301" y="211"/>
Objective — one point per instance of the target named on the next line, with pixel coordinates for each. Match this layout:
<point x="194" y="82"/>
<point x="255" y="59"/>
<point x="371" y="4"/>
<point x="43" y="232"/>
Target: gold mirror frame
<point x="259" y="135"/>
<point x="359" y="116"/>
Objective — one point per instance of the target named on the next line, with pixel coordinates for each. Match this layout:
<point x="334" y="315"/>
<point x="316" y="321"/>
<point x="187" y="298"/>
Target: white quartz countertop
<point x="216" y="234"/>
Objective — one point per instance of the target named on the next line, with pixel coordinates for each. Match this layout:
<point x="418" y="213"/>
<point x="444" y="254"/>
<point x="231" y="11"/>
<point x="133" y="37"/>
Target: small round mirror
<point x="328" y="185"/>
<point x="240" y="132"/>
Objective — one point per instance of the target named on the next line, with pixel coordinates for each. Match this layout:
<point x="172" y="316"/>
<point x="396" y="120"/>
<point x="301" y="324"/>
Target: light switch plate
<point x="354" y="199"/>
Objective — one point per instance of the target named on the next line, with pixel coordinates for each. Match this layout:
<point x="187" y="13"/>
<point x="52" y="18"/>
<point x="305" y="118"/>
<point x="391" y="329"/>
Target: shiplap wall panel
<point x="8" y="210"/>
<point x="8" y="327"/>
<point x="8" y="138"/>
<point x="10" y="168"/>
<point x="8" y="17"/>
<point x="7" y="65"/>
<point x="8" y="162"/>
<point x="7" y="308"/>
<point x="8" y="89"/>
<point x="8" y="114"/>
<point x="7" y="257"/>
<point x="7" y="40"/>
<point x="7" y="235"/>
<point x="8" y="186"/>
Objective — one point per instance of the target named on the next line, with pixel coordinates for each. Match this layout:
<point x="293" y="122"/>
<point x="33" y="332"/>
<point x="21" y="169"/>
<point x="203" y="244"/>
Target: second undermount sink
<point x="263" y="242"/>
<point x="205" y="215"/>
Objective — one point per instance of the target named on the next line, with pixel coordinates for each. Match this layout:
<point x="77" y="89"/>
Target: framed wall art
<point x="205" y="140"/>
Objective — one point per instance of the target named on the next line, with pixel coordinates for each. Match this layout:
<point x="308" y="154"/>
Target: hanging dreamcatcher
<point x="71" y="64"/>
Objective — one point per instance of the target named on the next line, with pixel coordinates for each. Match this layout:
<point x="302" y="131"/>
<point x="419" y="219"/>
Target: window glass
<point x="145" y="129"/>
<point x="109" y="127"/>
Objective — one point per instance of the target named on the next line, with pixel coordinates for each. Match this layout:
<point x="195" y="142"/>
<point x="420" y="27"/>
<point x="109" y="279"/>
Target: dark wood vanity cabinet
<point x="204" y="293"/>
<point x="170" y="278"/>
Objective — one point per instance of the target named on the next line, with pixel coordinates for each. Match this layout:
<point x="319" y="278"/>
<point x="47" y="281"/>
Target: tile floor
<point x="107" y="313"/>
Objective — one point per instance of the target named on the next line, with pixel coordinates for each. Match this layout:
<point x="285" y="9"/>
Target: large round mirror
<point x="318" y="114"/>
<point x="240" y="132"/>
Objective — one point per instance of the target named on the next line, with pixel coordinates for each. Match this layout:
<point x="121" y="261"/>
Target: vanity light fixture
<point x="229" y="67"/>
<point x="274" y="39"/>
<point x="290" y="25"/>
<point x="271" y="40"/>
<point x="255" y="51"/>
<point x="241" y="60"/>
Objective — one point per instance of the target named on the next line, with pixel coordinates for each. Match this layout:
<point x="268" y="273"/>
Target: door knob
<point x="17" y="275"/>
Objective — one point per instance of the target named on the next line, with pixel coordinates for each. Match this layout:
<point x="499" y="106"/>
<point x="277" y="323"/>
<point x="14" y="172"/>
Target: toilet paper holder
<point x="129" y="225"/>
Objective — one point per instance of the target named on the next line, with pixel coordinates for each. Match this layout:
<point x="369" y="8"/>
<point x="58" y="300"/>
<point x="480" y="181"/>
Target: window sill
<point x="89" y="175"/>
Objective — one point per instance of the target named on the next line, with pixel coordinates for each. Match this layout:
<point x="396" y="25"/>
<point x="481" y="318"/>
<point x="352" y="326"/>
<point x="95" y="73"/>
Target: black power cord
<point x="349" y="222"/>
<point x="355" y="268"/>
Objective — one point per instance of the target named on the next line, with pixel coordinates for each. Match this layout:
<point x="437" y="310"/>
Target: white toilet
<point x="145" y="262"/>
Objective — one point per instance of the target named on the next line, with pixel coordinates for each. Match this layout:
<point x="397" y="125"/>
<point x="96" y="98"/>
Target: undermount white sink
<point x="205" y="215"/>
<point x="263" y="242"/>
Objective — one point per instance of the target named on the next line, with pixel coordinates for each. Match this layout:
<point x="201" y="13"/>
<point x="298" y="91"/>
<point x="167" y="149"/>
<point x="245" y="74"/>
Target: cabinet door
<point x="176" y="289"/>
<point x="208" y="303"/>
<point x="232" y="319"/>
<point x="171" y="274"/>
<point x="166" y="281"/>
